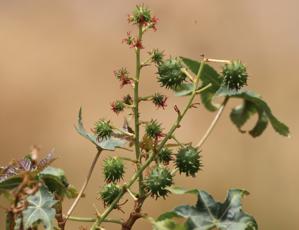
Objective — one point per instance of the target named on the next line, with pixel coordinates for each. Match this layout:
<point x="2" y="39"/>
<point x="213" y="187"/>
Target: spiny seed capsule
<point x="156" y="56"/>
<point x="158" y="180"/>
<point x="109" y="192"/>
<point x="103" y="129"/>
<point x="170" y="74"/>
<point x="234" y="75"/>
<point x="188" y="160"/>
<point x="117" y="106"/>
<point x="165" y="156"/>
<point x="159" y="100"/>
<point x="113" y="169"/>
<point x="153" y="129"/>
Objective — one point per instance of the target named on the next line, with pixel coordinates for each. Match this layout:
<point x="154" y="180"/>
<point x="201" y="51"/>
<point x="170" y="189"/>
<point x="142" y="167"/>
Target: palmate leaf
<point x="208" y="214"/>
<point x="107" y="144"/>
<point x="209" y="76"/>
<point x="40" y="209"/>
<point x="55" y="180"/>
<point x="252" y="103"/>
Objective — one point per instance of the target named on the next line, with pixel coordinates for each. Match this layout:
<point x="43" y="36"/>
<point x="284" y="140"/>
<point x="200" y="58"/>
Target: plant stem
<point x="136" y="109"/>
<point x="101" y="218"/>
<point x="89" y="219"/>
<point x="213" y="124"/>
<point x="83" y="186"/>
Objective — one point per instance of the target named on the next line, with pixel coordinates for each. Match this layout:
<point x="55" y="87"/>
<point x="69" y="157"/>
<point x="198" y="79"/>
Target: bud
<point x="141" y="15"/>
<point x="109" y="192"/>
<point x="159" y="100"/>
<point x="234" y="75"/>
<point x="170" y="74"/>
<point x="128" y="99"/>
<point x="123" y="76"/>
<point x="113" y="169"/>
<point x="157" y="182"/>
<point x="188" y="160"/>
<point x="103" y="129"/>
<point x="156" y="56"/>
<point x="153" y="129"/>
<point x="117" y="106"/>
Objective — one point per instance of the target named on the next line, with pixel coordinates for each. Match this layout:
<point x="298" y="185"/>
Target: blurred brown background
<point x="58" y="55"/>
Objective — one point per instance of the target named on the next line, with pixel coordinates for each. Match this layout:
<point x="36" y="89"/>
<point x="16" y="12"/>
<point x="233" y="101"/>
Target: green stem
<point x="89" y="219"/>
<point x="140" y="170"/>
<point x="136" y="110"/>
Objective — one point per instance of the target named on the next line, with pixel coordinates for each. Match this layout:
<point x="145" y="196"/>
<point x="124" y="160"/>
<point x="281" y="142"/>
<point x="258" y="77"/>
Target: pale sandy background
<point x="58" y="55"/>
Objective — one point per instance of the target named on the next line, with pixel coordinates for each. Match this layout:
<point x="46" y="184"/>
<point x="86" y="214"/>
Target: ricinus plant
<point x="37" y="190"/>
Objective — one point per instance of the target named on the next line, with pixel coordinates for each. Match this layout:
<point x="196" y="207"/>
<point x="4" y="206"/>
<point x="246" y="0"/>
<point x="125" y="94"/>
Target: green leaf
<point x="10" y="183"/>
<point x="168" y="224"/>
<point x="40" y="209"/>
<point x="240" y="114"/>
<point x="208" y="214"/>
<point x="209" y="75"/>
<point x="254" y="104"/>
<point x="55" y="180"/>
<point x="181" y="191"/>
<point x="107" y="144"/>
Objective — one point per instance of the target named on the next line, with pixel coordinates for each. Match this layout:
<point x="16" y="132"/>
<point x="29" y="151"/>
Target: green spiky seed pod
<point x="170" y="74"/>
<point x="153" y="129"/>
<point x="165" y="156"/>
<point x="188" y="160"/>
<point x="109" y="192"/>
<point x="157" y="56"/>
<point x="158" y="180"/>
<point x="118" y="106"/>
<point x="234" y="75"/>
<point x="113" y="169"/>
<point x="103" y="129"/>
<point x="159" y="100"/>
